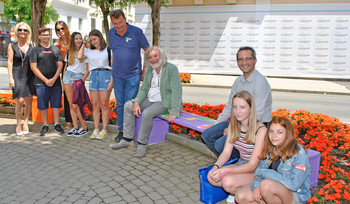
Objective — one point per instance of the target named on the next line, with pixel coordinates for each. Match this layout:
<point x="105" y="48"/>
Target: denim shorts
<point x="99" y="80"/>
<point x="47" y="94"/>
<point x="70" y="76"/>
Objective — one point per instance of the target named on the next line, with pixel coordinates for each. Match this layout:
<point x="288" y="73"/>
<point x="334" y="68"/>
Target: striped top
<point x="245" y="149"/>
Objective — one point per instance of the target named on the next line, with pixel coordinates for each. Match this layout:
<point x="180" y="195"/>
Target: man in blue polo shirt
<point x="126" y="42"/>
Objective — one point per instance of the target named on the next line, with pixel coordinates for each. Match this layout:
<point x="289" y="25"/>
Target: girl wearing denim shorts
<point x="75" y="70"/>
<point x="245" y="134"/>
<point x="101" y="83"/>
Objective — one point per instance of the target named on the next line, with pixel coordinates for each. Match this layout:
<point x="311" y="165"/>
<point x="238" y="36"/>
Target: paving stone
<point x="57" y="169"/>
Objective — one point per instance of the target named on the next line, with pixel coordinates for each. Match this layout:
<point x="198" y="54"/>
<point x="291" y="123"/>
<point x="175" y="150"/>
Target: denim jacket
<point x="294" y="174"/>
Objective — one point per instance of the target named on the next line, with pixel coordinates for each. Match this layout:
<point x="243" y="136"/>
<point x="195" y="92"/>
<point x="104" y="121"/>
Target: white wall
<point x="291" y="40"/>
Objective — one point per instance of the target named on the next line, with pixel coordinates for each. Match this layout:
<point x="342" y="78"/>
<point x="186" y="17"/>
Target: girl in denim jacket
<point x="283" y="175"/>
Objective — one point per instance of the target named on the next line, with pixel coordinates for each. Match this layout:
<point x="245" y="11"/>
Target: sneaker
<point x="94" y="133"/>
<point x="81" y="132"/>
<point x="59" y="129"/>
<point x="119" y="137"/>
<point x="122" y="144"/>
<point x="103" y="134"/>
<point x="141" y="150"/>
<point x="72" y="132"/>
<point x="44" y="130"/>
<point x="230" y="199"/>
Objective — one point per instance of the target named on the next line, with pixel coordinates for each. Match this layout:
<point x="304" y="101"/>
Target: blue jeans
<point x="215" y="139"/>
<point x="124" y="91"/>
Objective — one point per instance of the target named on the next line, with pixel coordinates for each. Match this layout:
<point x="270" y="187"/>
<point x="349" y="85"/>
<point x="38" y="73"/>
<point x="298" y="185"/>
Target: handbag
<point x="211" y="194"/>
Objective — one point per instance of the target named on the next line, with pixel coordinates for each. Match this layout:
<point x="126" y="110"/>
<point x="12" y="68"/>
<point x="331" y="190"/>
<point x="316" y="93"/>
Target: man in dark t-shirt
<point x="46" y="62"/>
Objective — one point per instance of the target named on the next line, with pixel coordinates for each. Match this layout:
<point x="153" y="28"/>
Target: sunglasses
<point x="22" y="30"/>
<point x="58" y="29"/>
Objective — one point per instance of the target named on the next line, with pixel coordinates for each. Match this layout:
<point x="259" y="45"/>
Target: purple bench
<point x="314" y="160"/>
<point x="161" y="125"/>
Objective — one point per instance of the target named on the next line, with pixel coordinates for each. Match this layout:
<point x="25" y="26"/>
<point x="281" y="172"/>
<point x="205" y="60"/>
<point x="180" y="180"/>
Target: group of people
<point x="272" y="167"/>
<point x="38" y="70"/>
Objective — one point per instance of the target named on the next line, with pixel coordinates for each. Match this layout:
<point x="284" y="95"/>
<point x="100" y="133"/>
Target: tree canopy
<point x="20" y="10"/>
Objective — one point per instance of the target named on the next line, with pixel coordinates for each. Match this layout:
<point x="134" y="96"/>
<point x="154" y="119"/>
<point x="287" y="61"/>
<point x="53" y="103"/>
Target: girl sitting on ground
<point x="283" y="175"/>
<point x="246" y="134"/>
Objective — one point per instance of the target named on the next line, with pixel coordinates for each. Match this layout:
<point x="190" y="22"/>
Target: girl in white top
<point x="101" y="82"/>
<point x="75" y="70"/>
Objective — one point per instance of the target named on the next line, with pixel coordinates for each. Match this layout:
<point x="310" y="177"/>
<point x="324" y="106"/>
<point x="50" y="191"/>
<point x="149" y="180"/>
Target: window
<point x="93" y="23"/>
<point x="80" y="24"/>
<point x="69" y="21"/>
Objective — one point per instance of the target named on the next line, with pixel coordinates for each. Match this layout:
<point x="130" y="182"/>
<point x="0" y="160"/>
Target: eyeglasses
<point x="248" y="59"/>
<point x="22" y="30"/>
<point x="58" y="29"/>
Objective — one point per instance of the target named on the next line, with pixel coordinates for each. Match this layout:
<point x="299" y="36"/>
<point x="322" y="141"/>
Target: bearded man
<point x="160" y="93"/>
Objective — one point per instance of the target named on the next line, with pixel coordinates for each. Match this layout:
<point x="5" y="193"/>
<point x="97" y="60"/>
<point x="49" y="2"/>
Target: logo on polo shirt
<point x="127" y="39"/>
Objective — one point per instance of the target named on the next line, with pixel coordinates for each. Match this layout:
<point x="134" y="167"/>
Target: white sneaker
<point x="94" y="133"/>
<point x="103" y="134"/>
<point x="230" y="199"/>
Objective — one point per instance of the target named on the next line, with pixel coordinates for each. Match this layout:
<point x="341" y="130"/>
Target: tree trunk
<point x="105" y="11"/>
<point x="155" y="21"/>
<point x="37" y="15"/>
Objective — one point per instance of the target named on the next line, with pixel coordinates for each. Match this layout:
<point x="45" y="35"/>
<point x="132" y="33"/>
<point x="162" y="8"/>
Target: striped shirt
<point x="245" y="149"/>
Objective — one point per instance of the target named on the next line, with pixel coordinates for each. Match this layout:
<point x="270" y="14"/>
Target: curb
<point x="171" y="137"/>
<point x="192" y="144"/>
<point x="272" y="89"/>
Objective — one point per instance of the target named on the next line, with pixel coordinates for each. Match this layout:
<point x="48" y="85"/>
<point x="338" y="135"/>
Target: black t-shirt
<point x="46" y="59"/>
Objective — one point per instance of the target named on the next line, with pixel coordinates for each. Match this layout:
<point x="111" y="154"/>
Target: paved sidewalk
<point x="61" y="169"/>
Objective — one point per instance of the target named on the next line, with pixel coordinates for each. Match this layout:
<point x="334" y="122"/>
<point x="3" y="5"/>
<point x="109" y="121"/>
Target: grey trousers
<point x="149" y="110"/>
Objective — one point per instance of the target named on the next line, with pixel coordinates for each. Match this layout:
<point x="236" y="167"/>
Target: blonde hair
<point x="29" y="36"/>
<point x="73" y="49"/>
<point x="235" y="125"/>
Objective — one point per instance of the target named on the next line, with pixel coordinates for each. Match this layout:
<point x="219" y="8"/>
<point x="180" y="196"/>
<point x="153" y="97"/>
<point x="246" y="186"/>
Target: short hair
<point x="117" y="13"/>
<point x="66" y="29"/>
<point x="289" y="146"/>
<point x="163" y="57"/>
<point x="103" y="43"/>
<point x="29" y="36"/>
<point x="246" y="48"/>
<point x="235" y="125"/>
<point x="44" y="29"/>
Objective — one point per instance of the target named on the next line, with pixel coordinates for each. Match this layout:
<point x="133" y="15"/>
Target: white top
<point x="97" y="59"/>
<point x="77" y="67"/>
<point x="259" y="87"/>
<point x="154" y="91"/>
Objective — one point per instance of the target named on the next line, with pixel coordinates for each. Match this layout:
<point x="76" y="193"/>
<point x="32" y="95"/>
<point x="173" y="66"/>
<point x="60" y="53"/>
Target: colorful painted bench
<point x="161" y="125"/>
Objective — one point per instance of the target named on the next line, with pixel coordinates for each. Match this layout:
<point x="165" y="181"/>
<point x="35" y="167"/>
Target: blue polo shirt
<point x="127" y="51"/>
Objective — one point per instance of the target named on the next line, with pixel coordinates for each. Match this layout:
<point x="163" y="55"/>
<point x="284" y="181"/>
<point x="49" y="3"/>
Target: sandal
<point x="68" y="125"/>
<point x="19" y="133"/>
<point x="25" y="132"/>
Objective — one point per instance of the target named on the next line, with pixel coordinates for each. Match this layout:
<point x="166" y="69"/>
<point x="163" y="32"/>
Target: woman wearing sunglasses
<point x="62" y="31"/>
<point x="21" y="77"/>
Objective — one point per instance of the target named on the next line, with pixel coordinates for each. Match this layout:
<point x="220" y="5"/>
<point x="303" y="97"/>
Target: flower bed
<point x="7" y="101"/>
<point x="185" y="77"/>
<point x="315" y="131"/>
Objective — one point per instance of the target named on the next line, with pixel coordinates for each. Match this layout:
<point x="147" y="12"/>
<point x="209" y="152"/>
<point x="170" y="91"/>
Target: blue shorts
<point x="70" y="76"/>
<point x="46" y="94"/>
<point x="99" y="80"/>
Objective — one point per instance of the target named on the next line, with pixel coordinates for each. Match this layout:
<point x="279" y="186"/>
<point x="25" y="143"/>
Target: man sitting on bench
<point x="161" y="92"/>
